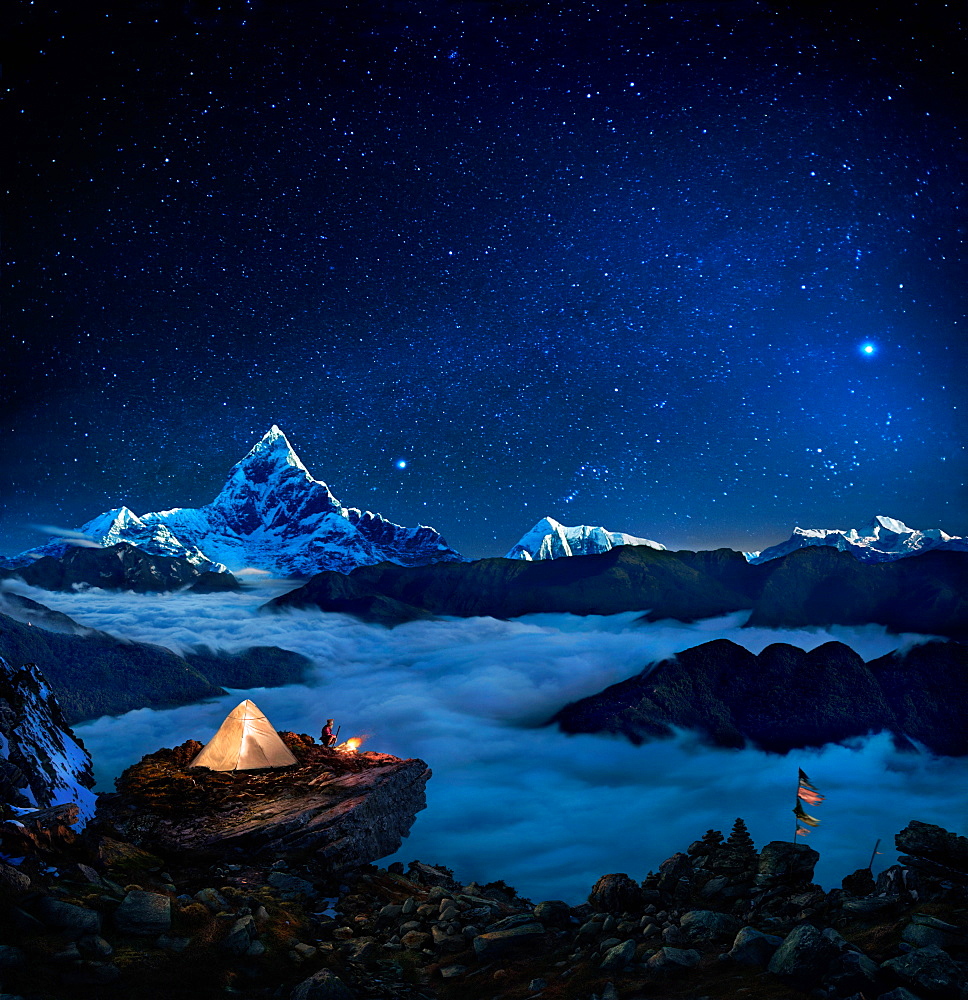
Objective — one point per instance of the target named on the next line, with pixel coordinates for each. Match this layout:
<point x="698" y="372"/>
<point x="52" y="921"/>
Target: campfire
<point x="352" y="744"/>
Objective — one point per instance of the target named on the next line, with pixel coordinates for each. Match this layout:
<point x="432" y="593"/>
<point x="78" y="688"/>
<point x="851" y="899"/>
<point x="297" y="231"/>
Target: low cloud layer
<point x="546" y="812"/>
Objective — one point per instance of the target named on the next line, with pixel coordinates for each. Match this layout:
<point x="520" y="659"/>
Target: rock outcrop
<point x="343" y="808"/>
<point x="786" y="697"/>
<point x="284" y="928"/>
<point x="42" y="765"/>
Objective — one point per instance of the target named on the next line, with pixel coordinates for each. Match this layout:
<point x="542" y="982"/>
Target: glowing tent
<point x="245" y="741"/>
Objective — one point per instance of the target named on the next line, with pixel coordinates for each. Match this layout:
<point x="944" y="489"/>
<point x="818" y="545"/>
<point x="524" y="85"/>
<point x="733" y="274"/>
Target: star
<point x="868" y="349"/>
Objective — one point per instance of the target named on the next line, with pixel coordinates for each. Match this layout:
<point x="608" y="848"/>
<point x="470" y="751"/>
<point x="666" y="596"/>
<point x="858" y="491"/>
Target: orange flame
<point x="353" y="744"/>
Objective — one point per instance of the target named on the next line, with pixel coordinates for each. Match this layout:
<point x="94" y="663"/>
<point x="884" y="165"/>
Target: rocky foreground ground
<point x="106" y="918"/>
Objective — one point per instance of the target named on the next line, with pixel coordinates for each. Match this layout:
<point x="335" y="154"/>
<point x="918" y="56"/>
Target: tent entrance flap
<point x="245" y="741"/>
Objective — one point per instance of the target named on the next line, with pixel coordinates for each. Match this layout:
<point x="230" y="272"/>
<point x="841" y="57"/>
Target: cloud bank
<point x="546" y="812"/>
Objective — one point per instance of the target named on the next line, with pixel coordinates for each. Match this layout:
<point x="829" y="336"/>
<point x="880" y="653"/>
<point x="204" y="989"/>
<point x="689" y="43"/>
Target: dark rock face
<point x="934" y="851"/>
<point x="928" y="970"/>
<point x="44" y="764"/>
<point x="819" y="586"/>
<point x="83" y="670"/>
<point x="215" y="583"/>
<point x="785" y="697"/>
<point x="815" y="586"/>
<point x="803" y="957"/>
<point x="257" y="666"/>
<point x="340" y="594"/>
<point x="927" y="688"/>
<point x="83" y="665"/>
<point x="118" y="567"/>
<point x="345" y="809"/>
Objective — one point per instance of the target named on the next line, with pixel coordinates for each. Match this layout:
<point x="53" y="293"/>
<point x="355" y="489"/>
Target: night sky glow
<point x="692" y="271"/>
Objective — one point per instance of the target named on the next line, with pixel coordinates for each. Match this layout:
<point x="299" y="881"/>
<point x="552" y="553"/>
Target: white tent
<point x="245" y="741"/>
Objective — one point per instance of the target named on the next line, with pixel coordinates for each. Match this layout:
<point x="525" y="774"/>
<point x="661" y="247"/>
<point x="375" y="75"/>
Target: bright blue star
<point x="867" y="349"/>
<point x="400" y="463"/>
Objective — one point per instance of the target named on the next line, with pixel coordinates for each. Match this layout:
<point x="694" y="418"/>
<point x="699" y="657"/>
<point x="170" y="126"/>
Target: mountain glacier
<point x="550" y="540"/>
<point x="882" y="540"/>
<point x="271" y="515"/>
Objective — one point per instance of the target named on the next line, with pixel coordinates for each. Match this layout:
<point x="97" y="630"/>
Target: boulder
<point x="241" y="934"/>
<point x="74" y="921"/>
<point x="803" y="957"/>
<point x="213" y="899"/>
<point x="674" y="959"/>
<point x="324" y="985"/>
<point x="753" y="947"/>
<point x="415" y="940"/>
<point x="897" y="880"/>
<point x="145" y="913"/>
<point x="859" y="883"/>
<point x="924" y="840"/>
<point x="926" y="970"/>
<point x="290" y="886"/>
<point x="619" y="956"/>
<point x="497" y="944"/>
<point x="615" y="893"/>
<point x="870" y="907"/>
<point x="94" y="946"/>
<point x="925" y="931"/>
<point x="12" y="881"/>
<point x="360" y="950"/>
<point x="705" y="926"/>
<point x="853" y="972"/>
<point x="782" y="863"/>
<point x="553" y="913"/>
<point x="674" y="875"/>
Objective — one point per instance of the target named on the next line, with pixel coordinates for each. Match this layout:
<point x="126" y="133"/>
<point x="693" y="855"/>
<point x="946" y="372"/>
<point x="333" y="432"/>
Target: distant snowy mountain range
<point x="884" y="539"/>
<point x="272" y="515"/>
<point x="550" y="540"/>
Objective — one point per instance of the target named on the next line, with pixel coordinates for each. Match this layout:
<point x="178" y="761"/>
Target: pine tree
<point x="740" y="839"/>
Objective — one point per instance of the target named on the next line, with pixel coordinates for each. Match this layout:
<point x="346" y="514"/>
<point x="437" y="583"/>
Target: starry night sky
<point x="616" y="263"/>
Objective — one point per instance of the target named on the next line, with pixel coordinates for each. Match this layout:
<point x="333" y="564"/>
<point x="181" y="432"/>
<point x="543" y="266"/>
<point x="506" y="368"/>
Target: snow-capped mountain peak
<point x="106" y="528"/>
<point x="274" y="449"/>
<point x="883" y="539"/>
<point x="549" y="539"/>
<point x="271" y="514"/>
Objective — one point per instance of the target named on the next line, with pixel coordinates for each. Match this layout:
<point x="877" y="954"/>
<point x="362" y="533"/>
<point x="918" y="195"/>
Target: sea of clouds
<point x="509" y="798"/>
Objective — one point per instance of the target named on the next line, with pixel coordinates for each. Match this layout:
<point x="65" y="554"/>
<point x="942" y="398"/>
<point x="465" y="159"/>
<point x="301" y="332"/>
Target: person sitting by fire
<point x="327" y="737"/>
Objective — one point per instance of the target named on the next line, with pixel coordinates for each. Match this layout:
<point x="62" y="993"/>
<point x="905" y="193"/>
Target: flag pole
<point x="870" y="867"/>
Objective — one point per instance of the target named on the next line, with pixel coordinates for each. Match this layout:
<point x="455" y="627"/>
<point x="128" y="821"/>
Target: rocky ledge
<point x="343" y="808"/>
